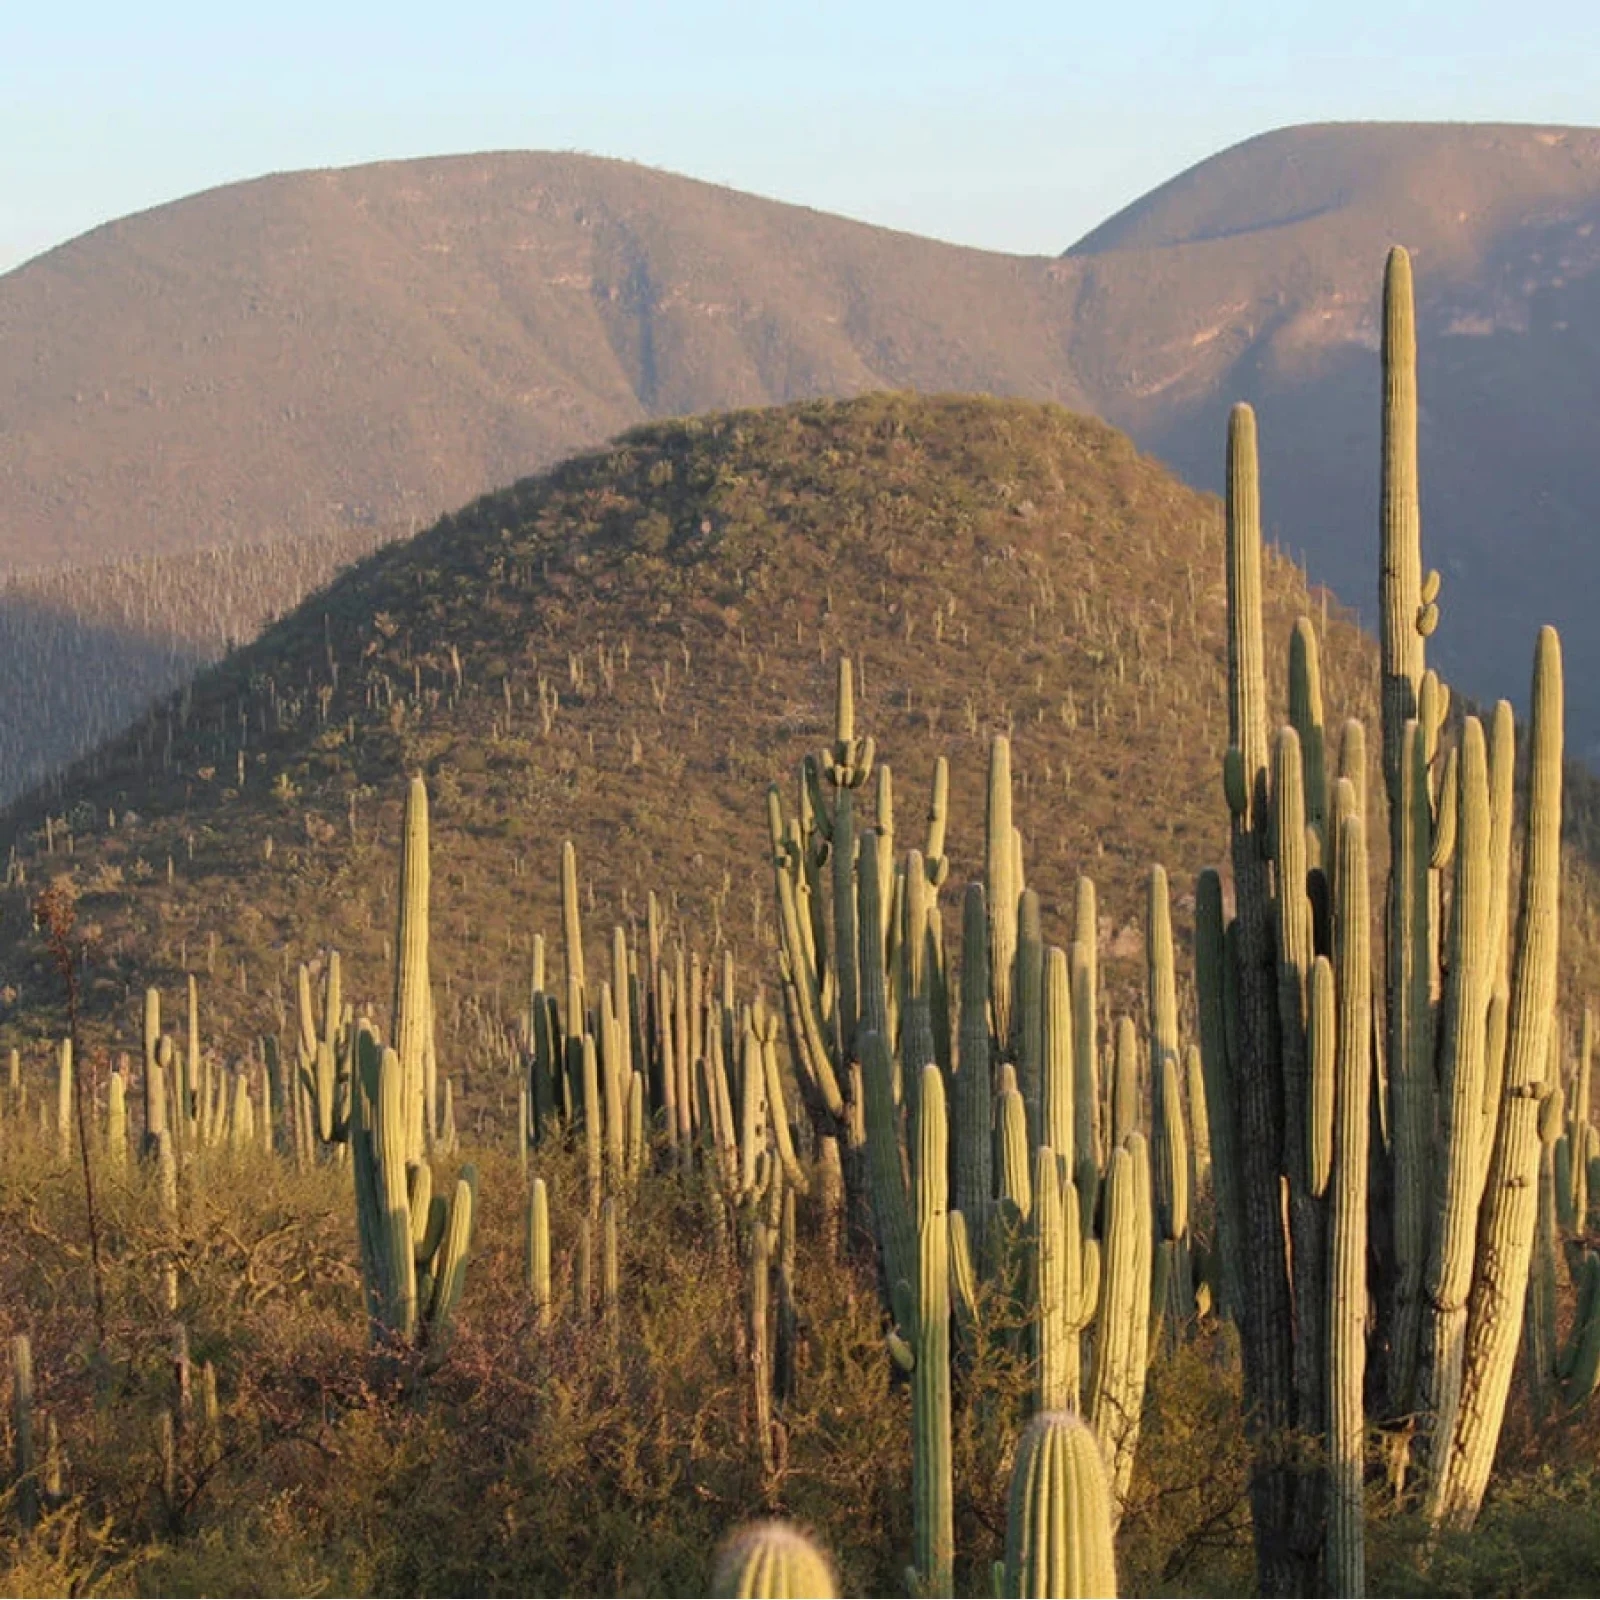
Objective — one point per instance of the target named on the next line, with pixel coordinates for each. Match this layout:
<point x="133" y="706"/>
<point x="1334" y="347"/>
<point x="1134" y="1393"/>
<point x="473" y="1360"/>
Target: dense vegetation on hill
<point x="625" y="652"/>
<point x="99" y="644"/>
<point x="317" y="353"/>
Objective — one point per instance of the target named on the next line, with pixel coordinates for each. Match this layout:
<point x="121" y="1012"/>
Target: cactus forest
<point x="955" y="1222"/>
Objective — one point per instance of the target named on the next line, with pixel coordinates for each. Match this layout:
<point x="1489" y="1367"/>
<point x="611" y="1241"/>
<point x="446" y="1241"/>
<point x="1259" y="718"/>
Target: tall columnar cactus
<point x="1170" y="1138"/>
<point x="772" y="1561"/>
<point x="1116" y="1396"/>
<point x="1543" y="1263"/>
<point x="1400" y="582"/>
<point x="412" y="1006"/>
<point x="1346" y="1318"/>
<point x="1060" y="1526"/>
<point x="25" y="1465"/>
<point x="414" y="1245"/>
<point x="1001" y="890"/>
<point x="933" y="1505"/>
<point x="1510" y="1203"/>
<point x="64" y="1099"/>
<point x="536" y="1254"/>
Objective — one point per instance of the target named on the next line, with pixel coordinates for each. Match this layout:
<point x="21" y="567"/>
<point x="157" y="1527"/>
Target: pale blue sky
<point x="1010" y="125"/>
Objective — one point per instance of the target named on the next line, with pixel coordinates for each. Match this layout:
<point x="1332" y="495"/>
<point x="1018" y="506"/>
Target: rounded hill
<point x="629" y="649"/>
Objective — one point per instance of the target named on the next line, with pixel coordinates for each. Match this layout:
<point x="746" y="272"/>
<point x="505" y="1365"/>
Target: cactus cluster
<point x="1032" y="1198"/>
<point x="1447" y="1193"/>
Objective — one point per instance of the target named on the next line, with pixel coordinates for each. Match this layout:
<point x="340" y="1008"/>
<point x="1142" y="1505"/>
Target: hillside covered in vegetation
<point x="625" y="653"/>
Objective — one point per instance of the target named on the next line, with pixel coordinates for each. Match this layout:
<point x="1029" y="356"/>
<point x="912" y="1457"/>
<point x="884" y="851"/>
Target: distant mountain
<point x="330" y="350"/>
<point x="1256" y="275"/>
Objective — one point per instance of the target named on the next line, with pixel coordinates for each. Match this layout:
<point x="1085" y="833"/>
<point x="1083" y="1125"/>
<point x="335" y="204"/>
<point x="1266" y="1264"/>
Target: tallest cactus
<point x="412" y="1008"/>
<point x="1400" y="579"/>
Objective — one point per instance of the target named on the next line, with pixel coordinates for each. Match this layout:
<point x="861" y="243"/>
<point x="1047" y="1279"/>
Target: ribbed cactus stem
<point x="192" y="1097"/>
<point x="1247" y="690"/>
<point x="117" y="1121"/>
<point x="411" y="1019"/>
<point x="1060" y="1528"/>
<point x="537" y="1253"/>
<point x="771" y="1561"/>
<point x="1410" y="1057"/>
<point x="1210" y="961"/>
<point x="1511" y="1200"/>
<point x="938" y="817"/>
<point x="1305" y="716"/>
<point x="1171" y="1142"/>
<point x="974" y="1159"/>
<point x="1088" y="1135"/>
<point x="1347" y="1246"/>
<point x="155" y="1098"/>
<point x="1125" y="1097"/>
<point x="1059" y="1077"/>
<point x="1047" y="1234"/>
<point x="1000" y="890"/>
<point x="932" y="1485"/>
<point x="1542" y="1287"/>
<point x="1578" y="1119"/>
<point x="1116" y="1396"/>
<point x="382" y="1197"/>
<point x="1014" y="1180"/>
<point x="1400" y="580"/>
<point x="22" y="1445"/>
<point x="1502" y="773"/>
<point x="1028" y="1019"/>
<point x="572" y="923"/>
<point x="1459" y="1172"/>
<point x="891" y="1208"/>
<point x="64" y="1099"/>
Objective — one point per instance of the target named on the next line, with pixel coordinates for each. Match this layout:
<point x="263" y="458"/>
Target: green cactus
<point x="25" y="1466"/>
<point x="1540" y="1315"/>
<point x="772" y="1561"/>
<point x="117" y="1121"/>
<point x="414" y="1247"/>
<point x="1494" y="1318"/>
<point x="933" y="1496"/>
<point x="974" y="1161"/>
<point x="1116" y="1395"/>
<point x="412" y="1013"/>
<point x="64" y="1100"/>
<point x="1001" y="891"/>
<point x="1400" y="582"/>
<point x="536" y="1251"/>
<point x="1060" y="1526"/>
<point x="1059" y="1113"/>
<point x="1346" y="1316"/>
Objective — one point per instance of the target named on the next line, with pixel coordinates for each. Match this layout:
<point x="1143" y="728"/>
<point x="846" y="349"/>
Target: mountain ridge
<point x="310" y="354"/>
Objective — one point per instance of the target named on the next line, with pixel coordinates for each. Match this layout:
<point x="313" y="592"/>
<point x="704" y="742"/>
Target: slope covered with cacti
<point x="1050" y="1210"/>
<point x="628" y="650"/>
